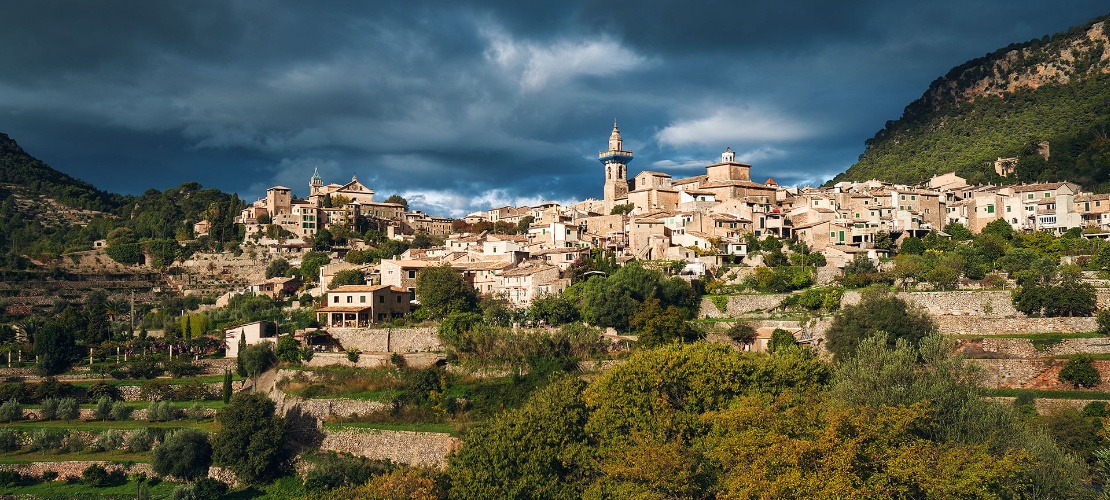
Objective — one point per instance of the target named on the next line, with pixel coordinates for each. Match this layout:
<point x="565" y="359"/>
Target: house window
<point x="1046" y="195"/>
<point x="913" y="198"/>
<point x="335" y="299"/>
<point x="1008" y="209"/>
<point x="350" y="299"/>
<point x="381" y="299"/>
<point x="362" y="299"/>
<point x="412" y="275"/>
<point x="990" y="209"/>
<point x="1030" y="196"/>
<point x="903" y="197"/>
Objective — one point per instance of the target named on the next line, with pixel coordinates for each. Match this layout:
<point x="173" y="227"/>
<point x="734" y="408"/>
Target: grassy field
<point x="63" y="490"/>
<point x="99" y="425"/>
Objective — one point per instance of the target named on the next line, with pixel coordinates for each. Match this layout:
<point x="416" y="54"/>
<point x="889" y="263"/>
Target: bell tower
<point x="616" y="171"/>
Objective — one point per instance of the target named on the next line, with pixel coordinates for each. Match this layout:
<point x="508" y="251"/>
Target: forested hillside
<point x="44" y="212"/>
<point x="1055" y="89"/>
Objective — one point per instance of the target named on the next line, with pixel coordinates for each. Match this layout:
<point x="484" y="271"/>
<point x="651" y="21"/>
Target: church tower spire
<point x="316" y="184"/>
<point x="616" y="170"/>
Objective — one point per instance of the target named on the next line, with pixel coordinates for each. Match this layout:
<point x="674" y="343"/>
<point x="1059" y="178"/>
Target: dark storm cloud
<point x="462" y="106"/>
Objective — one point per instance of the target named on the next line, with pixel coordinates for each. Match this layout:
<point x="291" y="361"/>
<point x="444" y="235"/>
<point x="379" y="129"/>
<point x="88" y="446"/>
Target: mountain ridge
<point x="1054" y="88"/>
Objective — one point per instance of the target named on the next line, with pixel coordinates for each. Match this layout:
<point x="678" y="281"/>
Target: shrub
<point x="156" y="390"/>
<point x="11" y="411"/>
<point x="186" y="454"/>
<point x="140" y="440"/>
<point x="111" y="439"/>
<point x="68" y="409"/>
<point x="9" y="478"/>
<point x="103" y="409"/>
<point x="1080" y="372"/>
<point x="1098" y="409"/>
<point x="47" y="439"/>
<point x="352" y="355"/>
<point x="335" y="470"/>
<point x="121" y="411"/>
<point x="96" y="475"/>
<point x="101" y="389"/>
<point x="193" y="391"/>
<point x="49" y="476"/>
<point x="51" y="388"/>
<point x="9" y="440"/>
<point x="75" y="442"/>
<point x="49" y="410"/>
<point x="161" y="411"/>
<point x="196" y="412"/>
<point x="180" y="369"/>
<point x="741" y="332"/>
<point x="1103" y="319"/>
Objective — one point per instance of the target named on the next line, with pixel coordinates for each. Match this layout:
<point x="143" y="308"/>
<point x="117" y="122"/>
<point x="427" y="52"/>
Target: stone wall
<point x="404" y="340"/>
<point x="374" y="360"/>
<point x="965" y="325"/>
<point x="980" y="304"/>
<point x="738" y="305"/>
<point x="426" y="449"/>
<point x="1011" y="348"/>
<point x="74" y="468"/>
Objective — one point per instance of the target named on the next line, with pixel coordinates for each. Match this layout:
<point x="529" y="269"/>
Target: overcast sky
<point x="462" y="106"/>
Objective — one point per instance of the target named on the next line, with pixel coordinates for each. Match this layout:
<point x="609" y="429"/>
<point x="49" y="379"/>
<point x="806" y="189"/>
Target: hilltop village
<point x="704" y="222"/>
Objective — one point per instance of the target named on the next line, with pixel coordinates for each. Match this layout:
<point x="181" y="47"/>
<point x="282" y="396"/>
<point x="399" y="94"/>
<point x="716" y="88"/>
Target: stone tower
<point x="316" y="185"/>
<point x="616" y="171"/>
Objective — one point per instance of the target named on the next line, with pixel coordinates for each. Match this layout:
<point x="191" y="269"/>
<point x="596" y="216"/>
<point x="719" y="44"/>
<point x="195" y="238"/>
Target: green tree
<point x="396" y="198"/>
<point x="250" y="439"/>
<point x="742" y="333"/>
<point x="226" y="389"/>
<point x="186" y="453"/>
<point x="624" y="209"/>
<point x="878" y="311"/>
<point x="958" y="232"/>
<point x="277" y="267"/>
<point x="258" y="358"/>
<point x="443" y="290"/>
<point x="538" y="451"/>
<point x="347" y="277"/>
<point x="911" y="245"/>
<point x="55" y="348"/>
<point x="323" y="240"/>
<point x="288" y="350"/>
<point x="525" y="223"/>
<point x="781" y="339"/>
<point x="655" y="325"/>
<point x="1080" y="371"/>
<point x="311" y="264"/>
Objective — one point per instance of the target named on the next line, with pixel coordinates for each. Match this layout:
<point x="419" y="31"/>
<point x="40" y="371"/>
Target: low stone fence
<point x="964" y="325"/>
<point x="1011" y="348"/>
<point x="403" y="340"/>
<point x="90" y="414"/>
<point x="324" y="409"/>
<point x="981" y="304"/>
<point x="74" y="468"/>
<point x="372" y="360"/>
<point x="426" y="449"/>
<point x="1043" y="374"/>
<point x="738" y="305"/>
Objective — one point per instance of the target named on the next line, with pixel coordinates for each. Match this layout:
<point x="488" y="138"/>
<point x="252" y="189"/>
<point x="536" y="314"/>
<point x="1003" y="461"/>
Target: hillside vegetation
<point x="1055" y="89"/>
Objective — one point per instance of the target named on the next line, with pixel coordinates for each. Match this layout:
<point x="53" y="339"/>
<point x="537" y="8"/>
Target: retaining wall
<point x="739" y="305"/>
<point x="403" y="340"/>
<point x="426" y="449"/>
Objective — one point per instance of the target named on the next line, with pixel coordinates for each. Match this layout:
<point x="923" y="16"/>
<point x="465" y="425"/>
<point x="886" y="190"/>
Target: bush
<point x="121" y="411"/>
<point x="196" y="412"/>
<point x="181" y="369"/>
<point x="156" y="390"/>
<point x="335" y="470"/>
<point x="103" y="409"/>
<point x="75" y="442"/>
<point x="49" y="476"/>
<point x="9" y="440"/>
<point x="1103" y="318"/>
<point x="51" y="388"/>
<point x="140" y="440"/>
<point x="9" y="478"/>
<point x="68" y="409"/>
<point x="49" y="410"/>
<point x="11" y="411"/>
<point x="111" y="439"/>
<point x="1080" y="372"/>
<point x="353" y="354"/>
<point x="186" y="454"/>
<point x="96" y="475"/>
<point x="47" y="439"/>
<point x="193" y="391"/>
<point x="1097" y="409"/>
<point x="201" y="490"/>
<point x="161" y="411"/>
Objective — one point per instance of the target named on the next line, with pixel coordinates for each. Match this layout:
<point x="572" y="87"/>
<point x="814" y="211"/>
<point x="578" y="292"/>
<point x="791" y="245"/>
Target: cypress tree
<point x="227" y="386"/>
